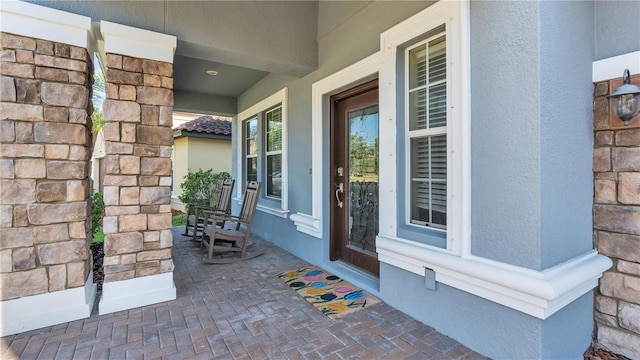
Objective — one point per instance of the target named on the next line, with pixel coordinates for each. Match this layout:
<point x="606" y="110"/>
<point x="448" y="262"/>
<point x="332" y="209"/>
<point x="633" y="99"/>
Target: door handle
<point x="339" y="189"/>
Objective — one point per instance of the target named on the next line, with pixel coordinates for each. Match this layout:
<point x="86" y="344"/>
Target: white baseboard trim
<point x="133" y="293"/>
<point x="536" y="293"/>
<point x="38" y="311"/>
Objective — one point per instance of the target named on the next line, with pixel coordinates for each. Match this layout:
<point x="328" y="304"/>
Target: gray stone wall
<point x="45" y="91"/>
<point x="137" y="183"/>
<point x="616" y="221"/>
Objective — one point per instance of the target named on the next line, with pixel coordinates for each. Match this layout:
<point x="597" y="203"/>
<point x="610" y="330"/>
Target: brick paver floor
<point x="237" y="311"/>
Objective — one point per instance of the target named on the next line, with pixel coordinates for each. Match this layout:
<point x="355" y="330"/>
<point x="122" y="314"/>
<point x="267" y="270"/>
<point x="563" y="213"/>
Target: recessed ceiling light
<point x="212" y="72"/>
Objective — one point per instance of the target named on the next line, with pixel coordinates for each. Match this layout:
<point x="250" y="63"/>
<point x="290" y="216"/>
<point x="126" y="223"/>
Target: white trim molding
<point x="38" y="311"/>
<point x="612" y="68"/>
<point x="137" y="292"/>
<point x="40" y="22"/>
<point x="536" y="293"/>
<point x="139" y="43"/>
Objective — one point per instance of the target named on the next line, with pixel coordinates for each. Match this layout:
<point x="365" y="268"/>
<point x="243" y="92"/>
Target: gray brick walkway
<point x="237" y="311"/>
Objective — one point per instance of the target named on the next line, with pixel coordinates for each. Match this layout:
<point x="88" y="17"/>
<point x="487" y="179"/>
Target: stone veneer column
<point x="616" y="221"/>
<point x="138" y="266"/>
<point x="46" y="77"/>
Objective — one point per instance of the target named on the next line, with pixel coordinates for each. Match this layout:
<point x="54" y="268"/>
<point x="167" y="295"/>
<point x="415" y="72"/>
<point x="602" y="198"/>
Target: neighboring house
<point x="203" y="143"/>
<point x="438" y="154"/>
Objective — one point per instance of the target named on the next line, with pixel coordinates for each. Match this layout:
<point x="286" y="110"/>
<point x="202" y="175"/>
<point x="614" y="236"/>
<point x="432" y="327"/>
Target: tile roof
<point x="207" y="124"/>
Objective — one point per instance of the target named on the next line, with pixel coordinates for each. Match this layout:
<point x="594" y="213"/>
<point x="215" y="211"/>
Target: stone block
<point x="154" y="255"/>
<point x="44" y="47"/>
<point x="120" y="180"/>
<point x="150" y="209"/>
<point x="155" y="166"/>
<point x="79" y="153"/>
<point x="23" y="283"/>
<point x="6" y="216"/>
<point x="60" y="169"/>
<point x="146" y="150"/>
<point x="630" y="137"/>
<point x="165" y="181"/>
<point x="632" y="268"/>
<point x="131" y="64"/>
<point x="23" y="112"/>
<point x="110" y="224"/>
<point x="8" y="55"/>
<point x="154" y="96"/>
<point x="166" y="266"/>
<point x="78" y="78"/>
<point x="19" y="191"/>
<point x="619" y="342"/>
<point x="629" y="188"/>
<point x="7" y="171"/>
<point x="60" y="63"/>
<point x="606" y="305"/>
<point x="51" y="191"/>
<point x="130" y="195"/>
<point x="111" y="164"/>
<point x="23" y="259"/>
<point x="152" y="80"/>
<point x="601" y="113"/>
<point x="28" y="91"/>
<point x="77" y="190"/>
<point x="114" y="269"/>
<point x="62" y="252"/>
<point x="622" y="219"/>
<point x="60" y="133"/>
<point x="159" y="221"/>
<point x="30" y="168"/>
<point x="118" y="148"/>
<point x="622" y="286"/>
<point x="17" y="70"/>
<point x="166" y="116"/>
<point x="70" y="95"/>
<point x="149" y="114"/>
<point x="164" y="208"/>
<point x="16" y="42"/>
<point x="77" y="230"/>
<point x="20" y="216"/>
<point x="151" y="236"/>
<point x="24" y="132"/>
<point x="151" y="246"/>
<point x="128" y="134"/>
<point x="44" y="214"/>
<point x="123" y="243"/>
<point x="128" y="259"/>
<point x="626" y="159"/>
<point x="50" y="233"/>
<point x="62" y="50"/>
<point x="166" y="238"/>
<point x="111" y="260"/>
<point x="122" y="210"/>
<point x="114" y="61"/>
<point x="56" y="151"/>
<point x="6" y="262"/>
<point x="22" y="150"/>
<point x="7" y="89"/>
<point x="111" y="131"/>
<point x="155" y="135"/>
<point x="51" y="74"/>
<point x="7" y="131"/>
<point x="129" y="223"/>
<point x="56" y="114"/>
<point x="78" y="53"/>
<point x="127" y="92"/>
<point x="149" y="181"/>
<point x="57" y="277"/>
<point x="157" y="68"/>
<point x="112" y="91"/>
<point x="155" y="195"/>
<point x="629" y="316"/>
<point x="25" y="57"/>
<point x="620" y="246"/>
<point x="602" y="159"/>
<point x="129" y="164"/>
<point x="147" y="268"/>
<point x="11" y="238"/>
<point x="78" y="116"/>
<point x="604" y="319"/>
<point x="76" y="274"/>
<point x="124" y="275"/>
<point x="111" y="195"/>
<point x="123" y="77"/>
<point x="166" y="82"/>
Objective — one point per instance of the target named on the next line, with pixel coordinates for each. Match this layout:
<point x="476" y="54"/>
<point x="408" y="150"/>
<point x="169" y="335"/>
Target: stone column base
<point x="38" y="311"/>
<point x="133" y="293"/>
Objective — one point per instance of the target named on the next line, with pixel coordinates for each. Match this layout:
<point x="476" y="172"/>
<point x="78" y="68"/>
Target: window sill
<point x="307" y="224"/>
<point x="536" y="293"/>
<point x="279" y="212"/>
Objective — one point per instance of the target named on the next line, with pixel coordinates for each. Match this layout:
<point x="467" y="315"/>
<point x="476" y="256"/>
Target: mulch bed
<point x="601" y="354"/>
<point x="97" y="251"/>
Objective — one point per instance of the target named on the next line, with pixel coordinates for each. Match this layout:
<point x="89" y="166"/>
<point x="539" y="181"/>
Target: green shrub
<point x="202" y="187"/>
<point x="97" y="207"/>
<point x="179" y="220"/>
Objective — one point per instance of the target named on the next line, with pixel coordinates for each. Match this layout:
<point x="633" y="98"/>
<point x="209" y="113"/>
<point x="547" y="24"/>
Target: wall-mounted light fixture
<point x="626" y="99"/>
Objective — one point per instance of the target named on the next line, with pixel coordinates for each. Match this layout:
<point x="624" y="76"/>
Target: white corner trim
<point x="139" y="43"/>
<point x="133" y="293"/>
<point x="536" y="293"/>
<point x="613" y="67"/>
<point x="38" y="311"/>
<point x="40" y="22"/>
<point x="307" y="224"/>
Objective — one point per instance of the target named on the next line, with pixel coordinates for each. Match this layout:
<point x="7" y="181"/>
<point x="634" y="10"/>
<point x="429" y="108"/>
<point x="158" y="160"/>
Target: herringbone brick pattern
<point x="237" y="311"/>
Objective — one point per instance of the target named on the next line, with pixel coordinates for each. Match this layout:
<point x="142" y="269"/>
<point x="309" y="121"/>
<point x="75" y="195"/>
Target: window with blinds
<point x="426" y="96"/>
<point x="274" y="152"/>
<point x="251" y="149"/>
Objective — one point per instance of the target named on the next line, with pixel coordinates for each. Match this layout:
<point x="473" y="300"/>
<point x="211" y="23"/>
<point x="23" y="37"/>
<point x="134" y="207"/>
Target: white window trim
<point x="280" y="97"/>
<point x="537" y="293"/>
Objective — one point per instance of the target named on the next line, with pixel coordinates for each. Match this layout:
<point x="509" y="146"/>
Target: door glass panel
<point x="363" y="178"/>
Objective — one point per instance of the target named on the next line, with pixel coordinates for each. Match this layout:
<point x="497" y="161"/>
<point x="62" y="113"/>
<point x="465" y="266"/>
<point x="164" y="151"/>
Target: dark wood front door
<point x="354" y="177"/>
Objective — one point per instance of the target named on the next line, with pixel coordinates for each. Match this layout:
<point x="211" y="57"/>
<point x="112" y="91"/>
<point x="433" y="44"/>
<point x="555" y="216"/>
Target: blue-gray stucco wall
<point x="617" y="29"/>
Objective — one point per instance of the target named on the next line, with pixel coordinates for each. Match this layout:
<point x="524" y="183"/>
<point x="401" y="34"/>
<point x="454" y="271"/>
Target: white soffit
<point x="35" y="21"/>
<point x="613" y="67"/>
<point x="139" y="43"/>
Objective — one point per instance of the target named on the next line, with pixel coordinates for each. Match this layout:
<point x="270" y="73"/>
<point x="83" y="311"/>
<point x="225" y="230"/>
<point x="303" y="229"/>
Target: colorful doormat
<point x="330" y="294"/>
